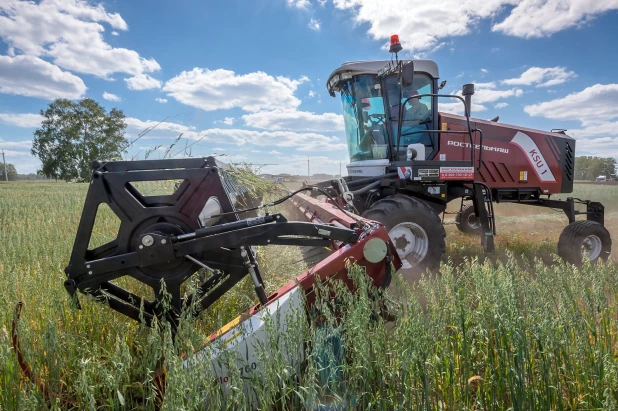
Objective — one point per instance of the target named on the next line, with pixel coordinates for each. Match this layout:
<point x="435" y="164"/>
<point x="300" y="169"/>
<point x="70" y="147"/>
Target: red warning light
<point x="395" y="44"/>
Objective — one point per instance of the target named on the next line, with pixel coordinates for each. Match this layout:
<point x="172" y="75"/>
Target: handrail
<point x="467" y="115"/>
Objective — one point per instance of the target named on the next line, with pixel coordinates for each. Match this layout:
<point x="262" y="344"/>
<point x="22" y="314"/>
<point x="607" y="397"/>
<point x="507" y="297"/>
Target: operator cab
<point x="372" y="95"/>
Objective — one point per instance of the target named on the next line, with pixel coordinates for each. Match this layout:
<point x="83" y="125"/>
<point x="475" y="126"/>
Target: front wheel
<point x="584" y="239"/>
<point x="415" y="229"/>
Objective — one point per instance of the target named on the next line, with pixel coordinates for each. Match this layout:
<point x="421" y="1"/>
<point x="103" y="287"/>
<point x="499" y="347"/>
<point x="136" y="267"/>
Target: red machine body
<point x="512" y="156"/>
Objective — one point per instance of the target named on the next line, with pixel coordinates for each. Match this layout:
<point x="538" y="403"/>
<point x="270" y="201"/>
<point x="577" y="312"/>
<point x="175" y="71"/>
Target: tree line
<point x="589" y="168"/>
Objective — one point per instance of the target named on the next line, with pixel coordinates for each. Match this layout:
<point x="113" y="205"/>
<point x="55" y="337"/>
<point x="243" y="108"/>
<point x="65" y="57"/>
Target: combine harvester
<point x="408" y="161"/>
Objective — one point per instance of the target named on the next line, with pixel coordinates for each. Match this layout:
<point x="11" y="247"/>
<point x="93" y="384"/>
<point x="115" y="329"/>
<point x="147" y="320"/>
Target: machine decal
<point x="457" y="173"/>
<point x="401" y="172"/>
<point x="477" y="146"/>
<point x="534" y="156"/>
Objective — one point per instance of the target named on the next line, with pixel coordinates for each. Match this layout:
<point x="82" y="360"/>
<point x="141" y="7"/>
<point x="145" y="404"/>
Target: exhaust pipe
<point x="467" y="91"/>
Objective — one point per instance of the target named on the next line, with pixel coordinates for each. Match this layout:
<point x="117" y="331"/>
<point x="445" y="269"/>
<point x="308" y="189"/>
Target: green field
<point x="519" y="330"/>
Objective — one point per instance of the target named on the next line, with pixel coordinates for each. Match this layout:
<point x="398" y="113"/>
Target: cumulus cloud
<point x="294" y="120"/>
<point x="111" y="97"/>
<point x="223" y="89"/>
<point x="227" y="121"/>
<point x="33" y="77"/>
<point x="299" y="4"/>
<point x="542" y="77"/>
<point x="501" y="105"/>
<point x="534" y="18"/>
<point x="26" y="120"/>
<point x="314" y="24"/>
<point x="239" y="137"/>
<point x="593" y="105"/>
<point x="595" y="108"/>
<point x="423" y="25"/>
<point x="142" y="82"/>
<point x="483" y="93"/>
<point x="70" y="33"/>
<point x="18" y="154"/>
<point x="161" y="100"/>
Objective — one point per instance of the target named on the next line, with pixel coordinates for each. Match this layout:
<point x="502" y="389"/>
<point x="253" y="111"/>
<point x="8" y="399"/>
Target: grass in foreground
<point x="517" y="334"/>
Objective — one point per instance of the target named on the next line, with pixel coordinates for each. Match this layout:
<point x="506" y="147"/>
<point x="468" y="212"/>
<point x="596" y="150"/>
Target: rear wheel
<point x="584" y="239"/>
<point x="467" y="222"/>
<point x="415" y="229"/>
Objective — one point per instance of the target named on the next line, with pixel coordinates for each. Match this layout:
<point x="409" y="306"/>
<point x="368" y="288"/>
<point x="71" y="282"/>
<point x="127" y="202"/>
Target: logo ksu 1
<point x="534" y="155"/>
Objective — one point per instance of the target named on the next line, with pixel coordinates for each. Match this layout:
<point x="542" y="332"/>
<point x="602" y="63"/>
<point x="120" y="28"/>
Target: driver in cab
<point x="414" y="111"/>
<point x="415" y="115"/>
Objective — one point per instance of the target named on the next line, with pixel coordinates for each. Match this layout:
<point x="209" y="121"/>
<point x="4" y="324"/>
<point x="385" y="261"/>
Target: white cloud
<point x="239" y="137"/>
<point x="597" y="129"/>
<point x="542" y="77"/>
<point x="165" y="129"/>
<point x="596" y="109"/>
<point x="311" y="94"/>
<point x="501" y="105"/>
<point x="227" y="121"/>
<point x="26" y="120"/>
<point x="142" y="82"/>
<point x="18" y="154"/>
<point x="71" y="34"/>
<point x="275" y="152"/>
<point x="111" y="97"/>
<point x="161" y="100"/>
<point x="593" y="105"/>
<point x="115" y="33"/>
<point x="484" y="71"/>
<point x="314" y="24"/>
<point x="423" y="25"/>
<point x="483" y="93"/>
<point x="534" y="18"/>
<point x="294" y="120"/>
<point x="599" y="147"/>
<point x="223" y="89"/>
<point x="30" y="76"/>
<point x="299" y="4"/>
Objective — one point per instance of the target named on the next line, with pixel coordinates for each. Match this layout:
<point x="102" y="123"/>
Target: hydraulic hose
<point x="366" y="188"/>
<point x="355" y="183"/>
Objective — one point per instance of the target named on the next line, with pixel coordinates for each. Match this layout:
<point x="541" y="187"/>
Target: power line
<point x="6" y="176"/>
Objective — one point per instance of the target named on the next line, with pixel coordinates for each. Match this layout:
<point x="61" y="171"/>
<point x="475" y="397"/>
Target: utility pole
<point x="340" y="169"/>
<point x="308" y="175"/>
<point x="6" y="176"/>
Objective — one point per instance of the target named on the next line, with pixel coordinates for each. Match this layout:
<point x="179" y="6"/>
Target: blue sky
<point x="248" y="76"/>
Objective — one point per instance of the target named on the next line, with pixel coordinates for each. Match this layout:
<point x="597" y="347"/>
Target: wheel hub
<point x="473" y="221"/>
<point x="411" y="242"/>
<point x="592" y="246"/>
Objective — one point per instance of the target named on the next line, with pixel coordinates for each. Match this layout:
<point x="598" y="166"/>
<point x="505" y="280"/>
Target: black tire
<point x="398" y="209"/>
<point x="467" y="222"/>
<point x="581" y="235"/>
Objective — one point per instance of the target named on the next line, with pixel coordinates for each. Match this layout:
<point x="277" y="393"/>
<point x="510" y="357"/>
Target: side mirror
<point x="407" y="74"/>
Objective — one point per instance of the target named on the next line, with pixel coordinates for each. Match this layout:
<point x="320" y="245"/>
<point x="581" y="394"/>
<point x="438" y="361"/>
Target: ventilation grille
<point x="569" y="161"/>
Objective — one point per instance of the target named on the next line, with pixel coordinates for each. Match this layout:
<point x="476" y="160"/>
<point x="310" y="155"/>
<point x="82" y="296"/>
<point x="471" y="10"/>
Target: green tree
<point x="11" y="172"/>
<point x="74" y="134"/>
<point x="589" y="168"/>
